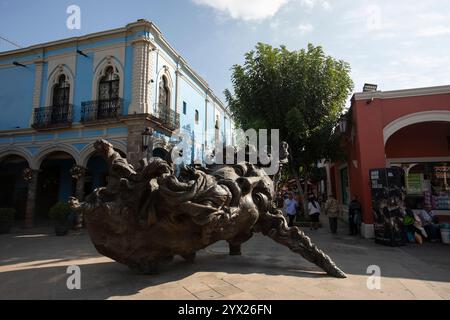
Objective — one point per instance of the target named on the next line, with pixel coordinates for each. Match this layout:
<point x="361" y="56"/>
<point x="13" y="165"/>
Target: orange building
<point x="409" y="129"/>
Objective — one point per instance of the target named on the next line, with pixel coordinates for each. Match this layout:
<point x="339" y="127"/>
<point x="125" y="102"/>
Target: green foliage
<point x="301" y="93"/>
<point x="7" y="215"/>
<point x="59" y="213"/>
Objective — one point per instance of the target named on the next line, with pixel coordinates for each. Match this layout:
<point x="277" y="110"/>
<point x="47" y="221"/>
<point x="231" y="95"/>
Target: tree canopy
<point x="301" y="93"/>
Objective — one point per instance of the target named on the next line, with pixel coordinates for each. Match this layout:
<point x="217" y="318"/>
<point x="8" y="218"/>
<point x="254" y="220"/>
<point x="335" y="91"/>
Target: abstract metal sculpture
<point x="147" y="216"/>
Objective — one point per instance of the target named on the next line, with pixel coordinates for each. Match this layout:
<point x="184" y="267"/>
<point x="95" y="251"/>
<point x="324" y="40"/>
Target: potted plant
<point x="6" y="219"/>
<point x="59" y="213"/>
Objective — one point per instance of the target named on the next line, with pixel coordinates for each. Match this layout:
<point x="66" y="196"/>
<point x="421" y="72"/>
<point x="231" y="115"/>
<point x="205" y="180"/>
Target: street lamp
<point x="147" y="138"/>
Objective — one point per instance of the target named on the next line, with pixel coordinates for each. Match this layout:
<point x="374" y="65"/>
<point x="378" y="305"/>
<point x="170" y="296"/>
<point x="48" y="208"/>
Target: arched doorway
<point x="96" y="172"/>
<point x="55" y="182"/>
<point x="422" y="151"/>
<point x="13" y="187"/>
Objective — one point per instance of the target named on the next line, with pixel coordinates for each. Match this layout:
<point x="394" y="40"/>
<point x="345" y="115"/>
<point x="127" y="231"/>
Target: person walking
<point x="314" y="212"/>
<point x="354" y="216"/>
<point x="332" y="210"/>
<point x="290" y="208"/>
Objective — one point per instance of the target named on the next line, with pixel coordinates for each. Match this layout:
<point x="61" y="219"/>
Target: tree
<point x="301" y="93"/>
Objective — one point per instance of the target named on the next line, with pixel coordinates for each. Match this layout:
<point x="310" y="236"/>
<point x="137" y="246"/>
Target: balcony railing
<point x="168" y="117"/>
<point x="53" y="116"/>
<point x="99" y="110"/>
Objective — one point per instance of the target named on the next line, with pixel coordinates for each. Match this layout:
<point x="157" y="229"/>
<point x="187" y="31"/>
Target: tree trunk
<point x="300" y="190"/>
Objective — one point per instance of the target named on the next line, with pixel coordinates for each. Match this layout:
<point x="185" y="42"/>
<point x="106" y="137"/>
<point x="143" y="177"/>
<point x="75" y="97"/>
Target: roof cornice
<point x="402" y="93"/>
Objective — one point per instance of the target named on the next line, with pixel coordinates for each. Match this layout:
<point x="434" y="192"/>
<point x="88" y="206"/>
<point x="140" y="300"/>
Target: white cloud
<point x="274" y="25"/>
<point x="311" y="4"/>
<point x="245" y="9"/>
<point x="434" y="31"/>
<point x="305" y="28"/>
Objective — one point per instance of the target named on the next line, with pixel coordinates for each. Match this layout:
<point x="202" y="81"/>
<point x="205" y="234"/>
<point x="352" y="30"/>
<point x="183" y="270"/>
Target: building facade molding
<point x="37" y="89"/>
<point x="141" y="76"/>
<point x="391" y="161"/>
<point x="402" y="93"/>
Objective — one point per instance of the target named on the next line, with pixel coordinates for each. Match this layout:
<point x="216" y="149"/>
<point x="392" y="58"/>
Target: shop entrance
<point x="422" y="153"/>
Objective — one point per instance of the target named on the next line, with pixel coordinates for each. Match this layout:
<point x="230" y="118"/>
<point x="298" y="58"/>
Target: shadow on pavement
<point x="27" y="265"/>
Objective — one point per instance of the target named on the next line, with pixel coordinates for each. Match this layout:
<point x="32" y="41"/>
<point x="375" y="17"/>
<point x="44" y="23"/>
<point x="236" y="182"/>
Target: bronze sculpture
<point x="146" y="216"/>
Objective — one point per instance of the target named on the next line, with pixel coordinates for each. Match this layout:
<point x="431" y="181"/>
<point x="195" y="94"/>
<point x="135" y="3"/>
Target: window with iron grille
<point x="108" y="94"/>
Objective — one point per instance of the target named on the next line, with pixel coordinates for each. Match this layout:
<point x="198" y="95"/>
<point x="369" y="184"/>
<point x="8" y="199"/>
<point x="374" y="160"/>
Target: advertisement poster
<point x="414" y="183"/>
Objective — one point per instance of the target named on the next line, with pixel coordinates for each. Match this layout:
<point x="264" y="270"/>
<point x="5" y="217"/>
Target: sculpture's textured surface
<point x="148" y="216"/>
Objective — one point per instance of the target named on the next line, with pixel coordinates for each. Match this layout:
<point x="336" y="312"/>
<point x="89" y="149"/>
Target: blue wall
<point x="83" y="84"/>
<point x="16" y="97"/>
<point x="17" y="83"/>
<point x="97" y="167"/>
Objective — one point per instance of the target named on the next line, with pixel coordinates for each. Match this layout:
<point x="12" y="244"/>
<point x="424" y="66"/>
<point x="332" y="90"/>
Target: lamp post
<point x="147" y="141"/>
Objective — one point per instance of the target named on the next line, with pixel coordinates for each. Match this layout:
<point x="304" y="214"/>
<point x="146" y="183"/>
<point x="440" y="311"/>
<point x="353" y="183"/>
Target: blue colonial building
<point x="57" y="98"/>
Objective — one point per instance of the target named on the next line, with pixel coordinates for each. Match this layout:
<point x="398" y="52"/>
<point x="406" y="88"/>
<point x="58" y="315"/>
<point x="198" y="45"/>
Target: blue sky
<point x="396" y="44"/>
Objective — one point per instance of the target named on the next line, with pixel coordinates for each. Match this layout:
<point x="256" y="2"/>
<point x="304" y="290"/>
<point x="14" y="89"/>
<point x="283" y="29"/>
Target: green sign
<point x="414" y="183"/>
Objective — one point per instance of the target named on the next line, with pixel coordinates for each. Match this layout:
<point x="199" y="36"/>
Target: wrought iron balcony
<point x="53" y="117"/>
<point x="100" y="110"/>
<point x="167" y="117"/>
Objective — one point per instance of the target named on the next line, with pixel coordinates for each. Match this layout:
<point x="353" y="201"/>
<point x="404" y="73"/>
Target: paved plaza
<point x="33" y="265"/>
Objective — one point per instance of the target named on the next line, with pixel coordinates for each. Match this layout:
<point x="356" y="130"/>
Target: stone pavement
<point x="33" y="265"/>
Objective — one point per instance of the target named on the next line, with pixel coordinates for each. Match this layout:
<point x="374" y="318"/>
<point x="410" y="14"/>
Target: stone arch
<point x="89" y="151"/>
<point x="414" y="118"/>
<point x="53" y="79"/>
<point x="45" y="151"/>
<point x="14" y="187"/>
<point x="20" y="153"/>
<point x="99" y="72"/>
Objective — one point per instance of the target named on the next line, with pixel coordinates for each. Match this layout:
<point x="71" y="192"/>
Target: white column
<point x="177" y="91"/>
<point x="38" y="72"/>
<point x="141" y="85"/>
<point x="206" y="121"/>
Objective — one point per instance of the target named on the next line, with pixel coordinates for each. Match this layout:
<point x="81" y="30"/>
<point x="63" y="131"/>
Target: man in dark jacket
<point x="354" y="216"/>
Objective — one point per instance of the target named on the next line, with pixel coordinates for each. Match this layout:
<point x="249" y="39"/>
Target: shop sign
<point x="414" y="183"/>
<point x="442" y="172"/>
